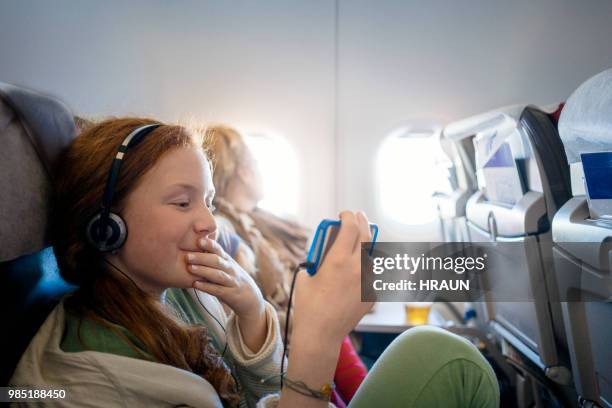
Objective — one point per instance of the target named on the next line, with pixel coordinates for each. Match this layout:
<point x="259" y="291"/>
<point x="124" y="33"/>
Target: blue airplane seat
<point x="30" y="287"/>
<point x="34" y="129"/>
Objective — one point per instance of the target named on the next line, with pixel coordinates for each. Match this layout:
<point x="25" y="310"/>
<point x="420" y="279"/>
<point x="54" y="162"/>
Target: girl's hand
<point x="329" y="304"/>
<point x="219" y="275"/>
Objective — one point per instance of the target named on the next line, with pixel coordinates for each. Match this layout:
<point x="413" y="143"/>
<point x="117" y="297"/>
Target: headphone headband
<point x="107" y="231"/>
<point x="130" y="141"/>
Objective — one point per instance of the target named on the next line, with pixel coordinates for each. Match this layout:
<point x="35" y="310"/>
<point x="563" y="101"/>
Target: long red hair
<point x="105" y="295"/>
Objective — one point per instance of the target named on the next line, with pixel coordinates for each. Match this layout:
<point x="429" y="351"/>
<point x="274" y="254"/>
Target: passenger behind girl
<point x="275" y="246"/>
<point x="146" y="327"/>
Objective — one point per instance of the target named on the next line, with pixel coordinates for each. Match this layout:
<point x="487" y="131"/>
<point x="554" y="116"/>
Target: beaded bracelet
<point x="324" y="393"/>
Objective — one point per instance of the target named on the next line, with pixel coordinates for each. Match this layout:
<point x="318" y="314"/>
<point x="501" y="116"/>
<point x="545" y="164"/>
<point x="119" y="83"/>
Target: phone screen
<point x="326" y="235"/>
<point x="330" y="238"/>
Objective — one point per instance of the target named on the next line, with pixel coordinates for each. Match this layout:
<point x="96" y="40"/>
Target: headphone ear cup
<point x="110" y="238"/>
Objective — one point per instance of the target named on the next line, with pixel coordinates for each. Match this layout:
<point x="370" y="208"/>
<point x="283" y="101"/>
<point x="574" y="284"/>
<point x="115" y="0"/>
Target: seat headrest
<point x="585" y="124"/>
<point x="501" y="118"/>
<point x="34" y="129"/>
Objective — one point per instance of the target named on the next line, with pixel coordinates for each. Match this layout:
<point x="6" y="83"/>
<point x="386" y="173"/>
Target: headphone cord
<point x="121" y="272"/>
<point x="293" y="280"/>
<point x="231" y="371"/>
<point x="201" y="304"/>
<point x="196" y="296"/>
<point x="297" y="269"/>
<point x="215" y="319"/>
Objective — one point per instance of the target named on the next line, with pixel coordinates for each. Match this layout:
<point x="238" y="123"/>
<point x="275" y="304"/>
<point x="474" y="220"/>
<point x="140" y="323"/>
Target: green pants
<point x="429" y="367"/>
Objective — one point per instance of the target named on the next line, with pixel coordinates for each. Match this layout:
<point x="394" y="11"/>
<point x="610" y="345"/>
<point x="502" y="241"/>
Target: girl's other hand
<point x="219" y="275"/>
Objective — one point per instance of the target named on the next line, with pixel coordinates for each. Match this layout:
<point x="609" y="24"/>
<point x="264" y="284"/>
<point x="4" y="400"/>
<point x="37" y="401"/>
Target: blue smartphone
<point x="326" y="234"/>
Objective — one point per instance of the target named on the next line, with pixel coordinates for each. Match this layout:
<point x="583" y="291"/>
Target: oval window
<point x="410" y="167"/>
<point x="278" y="165"/>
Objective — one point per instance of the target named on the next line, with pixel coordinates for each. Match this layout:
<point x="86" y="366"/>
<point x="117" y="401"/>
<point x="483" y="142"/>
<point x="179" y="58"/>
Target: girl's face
<point x="168" y="211"/>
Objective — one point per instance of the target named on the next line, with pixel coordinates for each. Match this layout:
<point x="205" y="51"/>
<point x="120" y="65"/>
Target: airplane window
<point x="278" y="165"/>
<point x="411" y="167"/>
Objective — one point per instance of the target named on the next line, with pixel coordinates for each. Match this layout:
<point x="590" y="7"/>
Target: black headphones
<point x="107" y="231"/>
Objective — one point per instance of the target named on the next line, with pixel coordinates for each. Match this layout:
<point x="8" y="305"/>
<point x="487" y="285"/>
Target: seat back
<point x="540" y="128"/>
<point x="514" y="205"/>
<point x="34" y="129"/>
<point x="582" y="237"/>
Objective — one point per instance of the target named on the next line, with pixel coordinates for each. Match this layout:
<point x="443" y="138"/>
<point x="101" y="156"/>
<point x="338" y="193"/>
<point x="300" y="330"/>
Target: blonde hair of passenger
<point x="227" y="148"/>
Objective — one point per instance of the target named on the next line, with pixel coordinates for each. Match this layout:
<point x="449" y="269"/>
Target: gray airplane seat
<point x="34" y="128"/>
<point x="518" y="167"/>
<point x="540" y="127"/>
<point x="462" y="178"/>
<point x="582" y="236"/>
